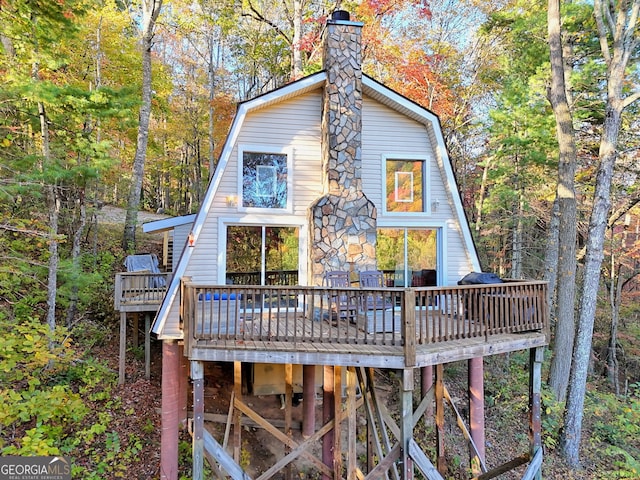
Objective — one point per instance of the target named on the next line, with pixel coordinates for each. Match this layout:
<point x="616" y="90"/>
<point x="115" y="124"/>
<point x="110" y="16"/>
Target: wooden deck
<point x="374" y="327"/>
<point x="321" y="326"/>
<point x="140" y="291"/>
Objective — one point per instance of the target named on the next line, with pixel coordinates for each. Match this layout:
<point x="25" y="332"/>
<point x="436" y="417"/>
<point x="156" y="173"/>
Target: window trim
<point x="268" y="149"/>
<point x="426" y="182"/>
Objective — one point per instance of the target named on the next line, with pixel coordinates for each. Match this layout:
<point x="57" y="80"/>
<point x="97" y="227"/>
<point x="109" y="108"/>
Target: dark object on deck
<point x="479" y="278"/>
<point x="478" y="305"/>
<point x="146" y="263"/>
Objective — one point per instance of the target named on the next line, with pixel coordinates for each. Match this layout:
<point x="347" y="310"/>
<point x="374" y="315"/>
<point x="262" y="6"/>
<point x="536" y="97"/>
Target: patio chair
<point x="373" y="300"/>
<point x="343" y="303"/>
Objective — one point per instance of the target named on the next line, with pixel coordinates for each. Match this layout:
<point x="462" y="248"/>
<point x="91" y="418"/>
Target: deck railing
<point x="140" y="289"/>
<point x="215" y="315"/>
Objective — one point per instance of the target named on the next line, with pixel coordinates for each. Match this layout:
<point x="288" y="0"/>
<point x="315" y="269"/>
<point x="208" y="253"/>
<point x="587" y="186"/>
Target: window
<point x="408" y="255"/>
<point x="265" y="179"/>
<point x="261" y="255"/>
<point x="405" y="181"/>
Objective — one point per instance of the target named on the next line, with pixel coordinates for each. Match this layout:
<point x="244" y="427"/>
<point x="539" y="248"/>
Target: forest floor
<point x="506" y="428"/>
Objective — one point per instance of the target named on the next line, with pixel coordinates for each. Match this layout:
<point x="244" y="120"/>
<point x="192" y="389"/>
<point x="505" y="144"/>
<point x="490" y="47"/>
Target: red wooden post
<point x="170" y="410"/>
<point x="476" y="410"/>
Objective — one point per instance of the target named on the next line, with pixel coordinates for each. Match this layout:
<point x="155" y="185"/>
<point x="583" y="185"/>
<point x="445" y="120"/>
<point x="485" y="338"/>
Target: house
<point x="334" y="172"/>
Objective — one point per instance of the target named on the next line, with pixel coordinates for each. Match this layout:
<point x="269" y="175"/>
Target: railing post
<point x="186" y="312"/>
<point x="409" y="326"/>
<point x="117" y="297"/>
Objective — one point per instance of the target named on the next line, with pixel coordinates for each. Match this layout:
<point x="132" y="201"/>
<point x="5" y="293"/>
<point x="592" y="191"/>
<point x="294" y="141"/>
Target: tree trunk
<point x="615" y="291"/>
<point x="75" y="258"/>
<point x="551" y="260"/>
<point x="53" y="206"/>
<point x="296" y="54"/>
<point x="572" y="431"/>
<point x="151" y="10"/>
<point x="616" y="57"/>
<point x="566" y="197"/>
<point x="212" y="94"/>
<point x="517" y="239"/>
<point x="481" y="195"/>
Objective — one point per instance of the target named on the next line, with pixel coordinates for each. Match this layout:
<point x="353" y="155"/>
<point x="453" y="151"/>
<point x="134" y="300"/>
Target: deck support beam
<point x="123" y="347"/>
<point x="352" y="431"/>
<point x="475" y="373"/>
<point x="147" y="345"/>
<point x="308" y="400"/>
<point x="171" y="409"/>
<point x="197" y="377"/>
<point x="441" y="463"/>
<point x="536" y="357"/>
<point x="328" y="408"/>
<point x="338" y="417"/>
<point x="288" y="404"/>
<point x="237" y="414"/>
<point x="406" y="427"/>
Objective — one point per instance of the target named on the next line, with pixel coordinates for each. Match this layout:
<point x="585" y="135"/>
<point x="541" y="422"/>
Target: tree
<point x="619" y="39"/>
<point x="520" y="143"/>
<point x="567" y="208"/>
<point x="150" y="12"/>
<point x="29" y="42"/>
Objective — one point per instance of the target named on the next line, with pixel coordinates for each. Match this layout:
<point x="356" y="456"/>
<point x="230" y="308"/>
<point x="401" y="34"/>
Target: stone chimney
<point x="342" y="221"/>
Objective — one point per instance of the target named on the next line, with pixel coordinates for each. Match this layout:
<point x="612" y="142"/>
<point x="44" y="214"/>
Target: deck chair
<point x="343" y="303"/>
<point x="373" y="300"/>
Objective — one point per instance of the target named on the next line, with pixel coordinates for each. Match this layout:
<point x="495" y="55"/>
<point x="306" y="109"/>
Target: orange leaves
<point x="417" y="79"/>
<point x="378" y="8"/>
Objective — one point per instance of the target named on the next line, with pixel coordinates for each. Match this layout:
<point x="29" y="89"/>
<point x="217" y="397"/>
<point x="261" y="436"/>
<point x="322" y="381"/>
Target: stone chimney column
<point x="343" y="220"/>
<point x="342" y="106"/>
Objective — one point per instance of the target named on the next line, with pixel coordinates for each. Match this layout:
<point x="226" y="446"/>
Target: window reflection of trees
<point x="404" y="185"/>
<point x="264" y="180"/>
<point x="421" y="249"/>
<point x="246" y="246"/>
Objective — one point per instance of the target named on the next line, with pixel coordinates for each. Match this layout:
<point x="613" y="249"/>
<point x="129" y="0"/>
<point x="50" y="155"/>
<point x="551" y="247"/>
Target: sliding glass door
<point x="408" y="256"/>
<point x="262" y="255"/>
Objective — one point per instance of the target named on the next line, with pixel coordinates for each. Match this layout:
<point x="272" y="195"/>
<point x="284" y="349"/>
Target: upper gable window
<point x="265" y="178"/>
<point x="405" y="183"/>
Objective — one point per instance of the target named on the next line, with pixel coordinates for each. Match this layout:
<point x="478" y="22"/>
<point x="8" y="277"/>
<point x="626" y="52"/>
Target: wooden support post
<point x="288" y="378"/>
<point x="366" y="387"/>
<point x="352" y="428"/>
<point x="197" y="377"/>
<point x="327" y="415"/>
<point x="308" y="400"/>
<point x="237" y="414"/>
<point x="426" y="383"/>
<point x="170" y="410"/>
<point x="409" y="326"/>
<point x="338" y="416"/>
<point x="147" y="345"/>
<point x="407" y="422"/>
<point x="439" y="398"/>
<point x="123" y="347"/>
<point x="476" y="412"/>
<point x="536" y="357"/>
